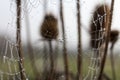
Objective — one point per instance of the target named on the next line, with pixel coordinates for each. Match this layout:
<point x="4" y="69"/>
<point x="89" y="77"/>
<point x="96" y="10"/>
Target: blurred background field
<point x="59" y="39"/>
<point x="60" y="66"/>
<point x="73" y="67"/>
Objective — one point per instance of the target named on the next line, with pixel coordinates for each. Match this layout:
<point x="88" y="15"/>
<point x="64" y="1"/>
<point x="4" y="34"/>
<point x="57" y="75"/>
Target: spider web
<point x="96" y="54"/>
<point x="10" y="63"/>
<point x="9" y="59"/>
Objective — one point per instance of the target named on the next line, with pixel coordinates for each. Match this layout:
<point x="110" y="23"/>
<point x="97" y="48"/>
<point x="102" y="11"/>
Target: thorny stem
<point x="106" y="42"/>
<point x="18" y="39"/>
<point x="64" y="43"/>
<point x="79" y="57"/>
<point x="51" y="73"/>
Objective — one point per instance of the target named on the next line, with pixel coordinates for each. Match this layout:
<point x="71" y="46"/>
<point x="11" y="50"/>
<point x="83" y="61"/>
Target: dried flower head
<point x="114" y="36"/>
<point x="49" y="28"/>
<point x="98" y="25"/>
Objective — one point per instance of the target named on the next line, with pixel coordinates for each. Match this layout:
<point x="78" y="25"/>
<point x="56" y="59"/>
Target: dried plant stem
<point x="107" y="41"/>
<point x="113" y="39"/>
<point x="18" y="39"/>
<point x="64" y="43"/>
<point x="112" y="62"/>
<point x="30" y="49"/>
<point x="56" y="54"/>
<point x="45" y="61"/>
<point x="51" y="73"/>
<point x="79" y="57"/>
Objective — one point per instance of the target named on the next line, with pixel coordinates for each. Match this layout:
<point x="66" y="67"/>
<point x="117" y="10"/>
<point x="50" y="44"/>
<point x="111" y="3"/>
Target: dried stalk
<point x="79" y="56"/>
<point x="18" y="39"/>
<point x="106" y="42"/>
<point x="64" y="43"/>
<point x="113" y="39"/>
<point x="112" y="62"/>
<point x="30" y="49"/>
<point x="51" y="73"/>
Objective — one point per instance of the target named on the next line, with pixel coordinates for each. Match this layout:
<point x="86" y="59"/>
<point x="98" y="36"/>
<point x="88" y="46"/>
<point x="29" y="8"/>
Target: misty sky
<point x="36" y="13"/>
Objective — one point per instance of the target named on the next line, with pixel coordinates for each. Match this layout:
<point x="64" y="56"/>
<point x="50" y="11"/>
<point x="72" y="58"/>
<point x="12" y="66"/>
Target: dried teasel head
<point x="49" y="27"/>
<point x="114" y="36"/>
<point x="98" y="25"/>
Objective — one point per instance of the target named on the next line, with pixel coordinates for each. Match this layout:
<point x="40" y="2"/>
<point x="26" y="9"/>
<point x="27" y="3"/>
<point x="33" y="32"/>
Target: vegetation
<point x="72" y="66"/>
<point x="59" y="64"/>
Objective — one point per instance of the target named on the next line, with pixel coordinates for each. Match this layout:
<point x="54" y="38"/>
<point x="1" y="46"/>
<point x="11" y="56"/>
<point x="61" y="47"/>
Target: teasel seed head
<point x="98" y="25"/>
<point x="114" y="36"/>
<point x="49" y="27"/>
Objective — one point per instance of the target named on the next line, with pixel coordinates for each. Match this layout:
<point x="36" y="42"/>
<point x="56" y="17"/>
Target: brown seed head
<point x="98" y="25"/>
<point x="114" y="36"/>
<point x="49" y="28"/>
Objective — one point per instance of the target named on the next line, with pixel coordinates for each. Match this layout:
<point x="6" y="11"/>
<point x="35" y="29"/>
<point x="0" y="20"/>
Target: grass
<point x="72" y="66"/>
<point x="117" y="67"/>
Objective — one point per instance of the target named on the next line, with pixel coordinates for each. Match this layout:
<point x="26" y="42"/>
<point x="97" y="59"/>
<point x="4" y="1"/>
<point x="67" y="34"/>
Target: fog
<point x="36" y="14"/>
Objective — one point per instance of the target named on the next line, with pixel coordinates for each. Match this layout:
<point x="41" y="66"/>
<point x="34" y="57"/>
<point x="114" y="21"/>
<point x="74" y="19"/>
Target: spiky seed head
<point x="49" y="27"/>
<point x="114" y="36"/>
<point x="98" y="25"/>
